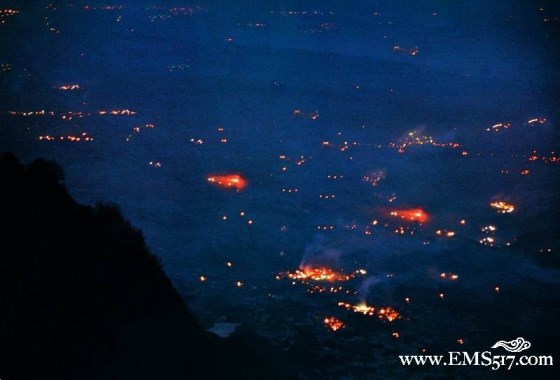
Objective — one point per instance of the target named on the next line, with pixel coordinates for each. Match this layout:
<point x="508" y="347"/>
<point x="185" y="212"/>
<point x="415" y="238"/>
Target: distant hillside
<point x="81" y="297"/>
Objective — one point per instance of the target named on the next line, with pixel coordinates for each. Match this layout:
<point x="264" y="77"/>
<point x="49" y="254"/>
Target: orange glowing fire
<point x="388" y="313"/>
<point x="320" y="274"/>
<point x="321" y="279"/>
<point x="334" y="323"/>
<point x="449" y="276"/>
<point x="360" y="308"/>
<point x="503" y="207"/>
<point x="228" y="181"/>
<point x="413" y="215"/>
<point x="317" y="274"/>
<point x="385" y="313"/>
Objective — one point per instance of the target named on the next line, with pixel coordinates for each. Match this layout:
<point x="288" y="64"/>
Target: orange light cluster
<point x="415" y="138"/>
<point x="552" y="158"/>
<point x="360" y="308"/>
<point x="30" y="113"/>
<point x="445" y="233"/>
<point x="489" y="241"/>
<point x="385" y="313"/>
<point x="499" y="126"/>
<point x="388" y="314"/>
<point x="503" y="207"/>
<point x="6" y="13"/>
<point x="83" y="137"/>
<point x="228" y="181"/>
<point x="9" y="11"/>
<point x="413" y="215"/>
<point x="317" y="274"/>
<point x="374" y="178"/>
<point x="321" y="279"/>
<point x="449" y="276"/>
<point x="537" y="120"/>
<point x="328" y="289"/>
<point x="68" y="116"/>
<point x="334" y="323"/>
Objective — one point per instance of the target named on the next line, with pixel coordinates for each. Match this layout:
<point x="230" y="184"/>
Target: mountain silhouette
<point x="81" y="297"/>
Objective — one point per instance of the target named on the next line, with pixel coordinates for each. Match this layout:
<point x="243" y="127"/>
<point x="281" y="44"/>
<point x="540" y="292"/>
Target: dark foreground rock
<point x="81" y="297"/>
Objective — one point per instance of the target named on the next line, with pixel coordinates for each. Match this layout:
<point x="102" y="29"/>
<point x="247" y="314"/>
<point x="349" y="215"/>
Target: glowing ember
<point x="385" y="313"/>
<point x="388" y="313"/>
<point x="445" y="233"/>
<point x="488" y="229"/>
<point x="449" y="276"/>
<point x="325" y="289"/>
<point x="83" y="137"/>
<point x="374" y="178"/>
<point x="318" y="274"/>
<point x="503" y="207"/>
<point x="401" y="230"/>
<point x="550" y="158"/>
<point x="499" y="126"/>
<point x="413" y="215"/>
<point x="415" y="138"/>
<point x="229" y="181"/>
<point x="538" y="120"/>
<point x="313" y="277"/>
<point x="361" y="308"/>
<point x="334" y="323"/>
<point x="489" y="241"/>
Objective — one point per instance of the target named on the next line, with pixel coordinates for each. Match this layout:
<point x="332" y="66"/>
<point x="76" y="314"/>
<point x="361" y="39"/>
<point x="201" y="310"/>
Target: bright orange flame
<point x="388" y="313"/>
<point x="449" y="276"/>
<point x="384" y="313"/>
<point x="360" y="308"/>
<point x="503" y="207"/>
<point x="318" y="274"/>
<point x="413" y="215"/>
<point x="228" y="181"/>
<point x="334" y="323"/>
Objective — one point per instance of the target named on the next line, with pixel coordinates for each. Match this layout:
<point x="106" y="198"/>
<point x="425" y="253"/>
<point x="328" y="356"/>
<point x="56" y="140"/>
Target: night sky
<point x="288" y="161"/>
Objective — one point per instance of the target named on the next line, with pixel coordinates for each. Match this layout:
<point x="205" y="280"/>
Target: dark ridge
<point x="81" y="297"/>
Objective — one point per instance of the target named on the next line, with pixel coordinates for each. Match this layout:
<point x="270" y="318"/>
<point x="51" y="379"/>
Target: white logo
<point x="483" y="358"/>
<point x="516" y="345"/>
